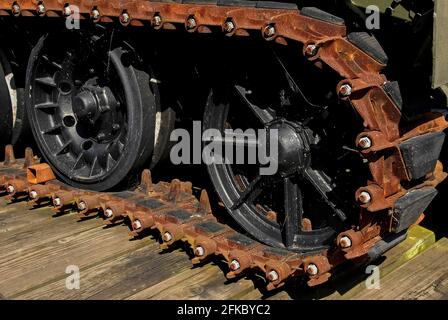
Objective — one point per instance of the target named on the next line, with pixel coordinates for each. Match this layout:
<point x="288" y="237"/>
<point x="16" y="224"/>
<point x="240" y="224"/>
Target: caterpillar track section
<point x="169" y="208"/>
<point x="402" y="158"/>
<point x="172" y="210"/>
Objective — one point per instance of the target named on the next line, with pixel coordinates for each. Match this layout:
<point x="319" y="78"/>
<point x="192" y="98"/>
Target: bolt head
<point x="101" y="136"/>
<point x="167" y="237"/>
<point x="191" y="23"/>
<point x="312" y="269"/>
<point x="10" y="189"/>
<point x="82" y="205"/>
<point x="272" y="275"/>
<point x="345" y="90"/>
<point x="33" y="194"/>
<point x="269" y="31"/>
<point x="57" y="202"/>
<point x="108" y="213"/>
<point x="345" y="242"/>
<point x="311" y="50"/>
<point x="365" y="143"/>
<point x="40" y="8"/>
<point x="364" y="197"/>
<point x="95" y="14"/>
<point x="15" y="9"/>
<point x="234" y="265"/>
<point x="136" y="224"/>
<point x="115" y="127"/>
<point x="67" y="11"/>
<point x="157" y="20"/>
<point x="229" y="26"/>
<point x="125" y="17"/>
<point x="199" y="251"/>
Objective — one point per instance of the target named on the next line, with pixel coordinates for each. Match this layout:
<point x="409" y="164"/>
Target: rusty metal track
<point x="171" y="209"/>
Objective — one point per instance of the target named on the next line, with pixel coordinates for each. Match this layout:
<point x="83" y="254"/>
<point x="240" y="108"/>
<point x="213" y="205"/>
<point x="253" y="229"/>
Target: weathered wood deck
<point x="36" y="247"/>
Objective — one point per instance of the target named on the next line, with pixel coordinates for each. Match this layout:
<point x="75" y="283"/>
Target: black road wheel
<point x="6" y="109"/>
<point x="92" y="108"/>
<point x="299" y="207"/>
<point x="12" y="111"/>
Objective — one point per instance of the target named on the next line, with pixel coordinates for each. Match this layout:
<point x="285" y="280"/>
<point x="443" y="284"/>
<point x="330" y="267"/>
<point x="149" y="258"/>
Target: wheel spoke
<point x="294" y="87"/>
<point x="52" y="62"/>
<point x="52" y="129"/>
<point x="264" y="115"/>
<point x="293" y="211"/>
<point x="252" y="191"/>
<point x="110" y="162"/>
<point x="95" y="168"/>
<point x="64" y="147"/>
<point x="46" y="105"/>
<point x="320" y="183"/>
<point x="46" y="82"/>
<point x="120" y="146"/>
<point x="79" y="162"/>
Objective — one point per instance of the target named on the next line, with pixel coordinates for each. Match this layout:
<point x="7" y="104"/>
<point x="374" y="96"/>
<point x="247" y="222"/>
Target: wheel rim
<point x="273" y="209"/>
<point x="82" y="105"/>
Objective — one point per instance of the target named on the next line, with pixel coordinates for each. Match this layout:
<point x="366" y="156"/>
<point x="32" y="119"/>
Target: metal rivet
<point x="40" y="9"/>
<point x="10" y="189"/>
<point x="82" y="205"/>
<point x="199" y="251"/>
<point x="108" y="213"/>
<point x="191" y="23"/>
<point x="167" y="237"/>
<point x="311" y="50"/>
<point x="345" y="242"/>
<point x="365" y="143"/>
<point x="67" y="10"/>
<point x="312" y="269"/>
<point x="15" y="8"/>
<point x="364" y="197"/>
<point x="57" y="202"/>
<point x="269" y="31"/>
<point x="95" y="14"/>
<point x="234" y="265"/>
<point x="125" y="18"/>
<point x="157" y="20"/>
<point x="229" y="26"/>
<point x="272" y="275"/>
<point x="136" y="224"/>
<point x="345" y="90"/>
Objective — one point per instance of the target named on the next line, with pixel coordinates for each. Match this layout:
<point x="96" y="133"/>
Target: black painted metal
<point x="92" y="109"/>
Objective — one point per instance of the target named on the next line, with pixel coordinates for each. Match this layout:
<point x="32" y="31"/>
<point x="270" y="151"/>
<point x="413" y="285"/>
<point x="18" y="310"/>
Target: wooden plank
<point x="440" y="45"/>
<point x="206" y="282"/>
<point x="252" y="295"/>
<point x="425" y="277"/>
<point x="118" y="278"/>
<point x="350" y="283"/>
<point x="17" y="216"/>
<point x="47" y="262"/>
<point x="49" y="229"/>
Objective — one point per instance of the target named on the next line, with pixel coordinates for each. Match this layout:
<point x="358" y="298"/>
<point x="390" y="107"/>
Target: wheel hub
<point x="91" y="102"/>
<point x="293" y="147"/>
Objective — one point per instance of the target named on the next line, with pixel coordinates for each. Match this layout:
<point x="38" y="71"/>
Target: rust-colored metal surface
<point x="175" y="213"/>
<point x="39" y="173"/>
